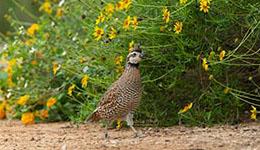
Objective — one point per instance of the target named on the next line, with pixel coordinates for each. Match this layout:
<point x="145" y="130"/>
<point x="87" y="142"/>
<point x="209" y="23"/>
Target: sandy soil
<point x="63" y="136"/>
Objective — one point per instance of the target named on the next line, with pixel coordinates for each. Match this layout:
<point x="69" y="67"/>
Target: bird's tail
<point x="93" y="117"/>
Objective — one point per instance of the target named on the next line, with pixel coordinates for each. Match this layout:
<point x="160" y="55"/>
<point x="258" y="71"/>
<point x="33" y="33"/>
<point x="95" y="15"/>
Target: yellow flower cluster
<point x="46" y="7"/>
<point x="118" y="62"/>
<point x="204" y="5"/>
<point x="23" y="100"/>
<point x="127" y="22"/>
<point x="211" y="57"/>
<point x="33" y="29"/>
<point x="27" y="118"/>
<point x="106" y="14"/>
<point x="9" y="71"/>
<point x="166" y="18"/>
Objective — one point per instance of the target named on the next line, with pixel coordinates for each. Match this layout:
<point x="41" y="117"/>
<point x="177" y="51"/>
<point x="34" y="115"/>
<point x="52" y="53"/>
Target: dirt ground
<point x="64" y="136"/>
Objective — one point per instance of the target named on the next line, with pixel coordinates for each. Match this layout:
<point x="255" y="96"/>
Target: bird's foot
<point x="106" y="136"/>
<point x="138" y="134"/>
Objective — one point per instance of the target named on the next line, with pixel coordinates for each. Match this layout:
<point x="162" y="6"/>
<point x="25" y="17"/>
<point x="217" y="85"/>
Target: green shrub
<point x="202" y="54"/>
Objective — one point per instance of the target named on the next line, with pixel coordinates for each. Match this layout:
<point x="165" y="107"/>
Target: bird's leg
<point x="135" y="132"/>
<point x="106" y="131"/>
<point x="130" y="122"/>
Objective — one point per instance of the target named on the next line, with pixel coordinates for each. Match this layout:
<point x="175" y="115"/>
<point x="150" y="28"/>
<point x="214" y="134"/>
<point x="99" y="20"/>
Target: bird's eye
<point x="134" y="54"/>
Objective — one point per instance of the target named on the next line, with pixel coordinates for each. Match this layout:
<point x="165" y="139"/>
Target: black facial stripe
<point x="134" y="65"/>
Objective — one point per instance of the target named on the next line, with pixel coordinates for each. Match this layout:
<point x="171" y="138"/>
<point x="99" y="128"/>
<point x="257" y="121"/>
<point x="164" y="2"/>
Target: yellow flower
<point x="27" y="118"/>
<point x="2" y="111"/>
<point x="55" y="67"/>
<point x="126" y="3"/>
<point x="112" y="33"/>
<point x="109" y="9"/>
<point x="98" y="33"/>
<point x="178" y="27"/>
<point x="46" y="6"/>
<point x="44" y="114"/>
<point x="100" y="19"/>
<point x="123" y="4"/>
<point x="253" y="113"/>
<point x="70" y="89"/>
<point x="32" y="29"/>
<point x="119" y="124"/>
<point x="37" y="114"/>
<point x="34" y="62"/>
<point x="211" y="55"/>
<point x="186" y="108"/>
<point x="59" y="12"/>
<point x="120" y="5"/>
<point x="204" y="6"/>
<point x="9" y="71"/>
<point x="126" y="23"/>
<point x="211" y="77"/>
<point x="205" y="64"/>
<point x="39" y="54"/>
<point x="119" y="69"/>
<point x="226" y="90"/>
<point x="222" y="55"/>
<point x="118" y="60"/>
<point x="131" y="46"/>
<point x="250" y="78"/>
<point x="46" y="36"/>
<point x="23" y="100"/>
<point x="166" y="15"/>
<point x="8" y="108"/>
<point x="30" y="42"/>
<point x="84" y="81"/>
<point x="183" y="1"/>
<point x="51" y="101"/>
<point x="135" y="22"/>
<point x="162" y="28"/>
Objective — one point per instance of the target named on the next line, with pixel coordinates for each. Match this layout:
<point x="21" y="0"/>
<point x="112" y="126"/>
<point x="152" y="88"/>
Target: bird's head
<point x="135" y="56"/>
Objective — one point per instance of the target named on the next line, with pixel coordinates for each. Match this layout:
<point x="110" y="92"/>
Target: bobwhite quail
<point x="120" y="100"/>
